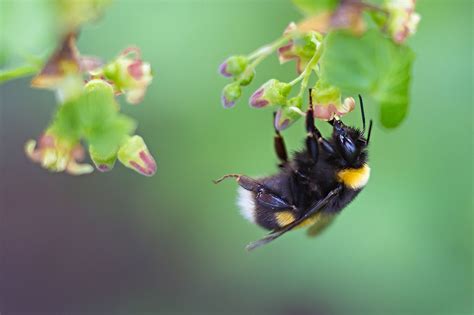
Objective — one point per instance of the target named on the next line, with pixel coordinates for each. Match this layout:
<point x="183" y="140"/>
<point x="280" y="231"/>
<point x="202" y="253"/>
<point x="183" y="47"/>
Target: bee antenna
<point x="362" y="112"/>
<point x="370" y="131"/>
<point x="311" y="97"/>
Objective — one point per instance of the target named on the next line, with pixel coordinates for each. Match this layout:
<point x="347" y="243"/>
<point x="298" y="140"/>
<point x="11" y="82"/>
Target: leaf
<point x="96" y="107"/>
<point x="107" y="139"/>
<point x="371" y="64"/>
<point x="311" y="7"/>
<point x="100" y="122"/>
<point x="94" y="116"/>
<point x="65" y="122"/>
<point x="19" y="38"/>
<point x="32" y="29"/>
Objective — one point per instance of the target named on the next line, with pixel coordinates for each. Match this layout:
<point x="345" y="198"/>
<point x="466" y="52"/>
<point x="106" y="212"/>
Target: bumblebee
<point x="311" y="187"/>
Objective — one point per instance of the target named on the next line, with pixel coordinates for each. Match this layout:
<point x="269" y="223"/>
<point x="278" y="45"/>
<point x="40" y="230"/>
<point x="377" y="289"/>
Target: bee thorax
<point x="354" y="178"/>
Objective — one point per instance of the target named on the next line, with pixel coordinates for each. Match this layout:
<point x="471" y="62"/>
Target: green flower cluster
<point x="89" y="112"/>
<point x="353" y="57"/>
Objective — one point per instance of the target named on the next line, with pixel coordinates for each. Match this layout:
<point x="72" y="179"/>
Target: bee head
<point x="350" y="142"/>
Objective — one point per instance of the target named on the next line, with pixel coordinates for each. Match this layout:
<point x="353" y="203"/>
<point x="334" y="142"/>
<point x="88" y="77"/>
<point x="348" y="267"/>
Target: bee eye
<point x="348" y="148"/>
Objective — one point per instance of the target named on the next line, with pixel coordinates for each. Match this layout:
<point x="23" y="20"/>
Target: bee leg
<point x="314" y="135"/>
<point x="312" y="144"/>
<point x="280" y="148"/>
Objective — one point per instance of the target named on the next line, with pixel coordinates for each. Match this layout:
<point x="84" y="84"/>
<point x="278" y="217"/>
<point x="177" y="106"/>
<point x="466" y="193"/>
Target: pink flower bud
<point x="327" y="102"/>
<point x="134" y="154"/>
<point x="233" y="66"/>
<point x="301" y="47"/>
<point x="273" y="92"/>
<point x="130" y="75"/>
<point x="287" y="115"/>
<point x="230" y="94"/>
<point x="403" y="20"/>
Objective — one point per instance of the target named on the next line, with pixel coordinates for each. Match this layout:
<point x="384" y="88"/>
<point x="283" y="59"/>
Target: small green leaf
<point x="19" y="38"/>
<point x="66" y="123"/>
<point x="102" y="125"/>
<point x="312" y="7"/>
<point x="107" y="138"/>
<point x="94" y="116"/>
<point x="371" y="64"/>
<point x="96" y="107"/>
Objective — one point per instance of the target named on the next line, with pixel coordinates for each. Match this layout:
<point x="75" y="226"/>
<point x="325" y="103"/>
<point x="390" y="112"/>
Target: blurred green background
<point x="120" y="243"/>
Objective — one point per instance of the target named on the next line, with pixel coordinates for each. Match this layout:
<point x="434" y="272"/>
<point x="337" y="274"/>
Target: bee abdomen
<point x="265" y="217"/>
<point x="246" y="203"/>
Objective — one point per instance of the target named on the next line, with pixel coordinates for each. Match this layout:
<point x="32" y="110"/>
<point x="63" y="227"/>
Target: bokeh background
<point x="120" y="243"/>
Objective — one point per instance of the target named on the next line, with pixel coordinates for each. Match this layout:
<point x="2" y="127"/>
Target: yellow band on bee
<point x="284" y="218"/>
<point x="355" y="178"/>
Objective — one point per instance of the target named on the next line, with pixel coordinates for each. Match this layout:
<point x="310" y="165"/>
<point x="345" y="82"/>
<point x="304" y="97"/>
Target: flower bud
<point x="327" y="102"/>
<point x="403" y="20"/>
<point x="129" y="74"/>
<point x="286" y="116"/>
<point x="246" y="77"/>
<point x="98" y="84"/>
<point x="230" y="94"/>
<point x="273" y="92"/>
<point x="301" y="47"/>
<point x="134" y="154"/>
<point x="233" y="66"/>
<point x="57" y="155"/>
<point x="102" y="163"/>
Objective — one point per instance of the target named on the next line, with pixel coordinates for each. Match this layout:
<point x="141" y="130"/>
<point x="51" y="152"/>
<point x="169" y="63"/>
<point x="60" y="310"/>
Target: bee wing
<point x="312" y="211"/>
<point x="322" y="222"/>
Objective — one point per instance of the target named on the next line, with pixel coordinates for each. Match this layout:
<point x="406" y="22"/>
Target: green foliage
<point x="87" y="112"/>
<point x="311" y="7"/>
<point x="18" y="38"/>
<point x="373" y="65"/>
<point x="22" y="45"/>
<point x="108" y="137"/>
<point x="362" y="51"/>
<point x="94" y="116"/>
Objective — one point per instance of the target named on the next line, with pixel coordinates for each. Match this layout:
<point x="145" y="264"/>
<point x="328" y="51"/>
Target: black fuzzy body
<point x="313" y="185"/>
<point x="302" y="182"/>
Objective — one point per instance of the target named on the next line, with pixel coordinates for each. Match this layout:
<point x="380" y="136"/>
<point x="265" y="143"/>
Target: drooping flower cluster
<point x="305" y="49"/>
<point x="129" y="74"/>
<point x="304" y="44"/>
<point x="89" y="113"/>
<point x="402" y="20"/>
<point x="301" y="47"/>
<point x="242" y="73"/>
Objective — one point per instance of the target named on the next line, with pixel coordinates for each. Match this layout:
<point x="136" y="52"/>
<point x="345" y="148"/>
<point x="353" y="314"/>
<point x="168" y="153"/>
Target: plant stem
<point x="263" y="52"/>
<point x="306" y="74"/>
<point x="297" y="110"/>
<point x="19" y="72"/>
